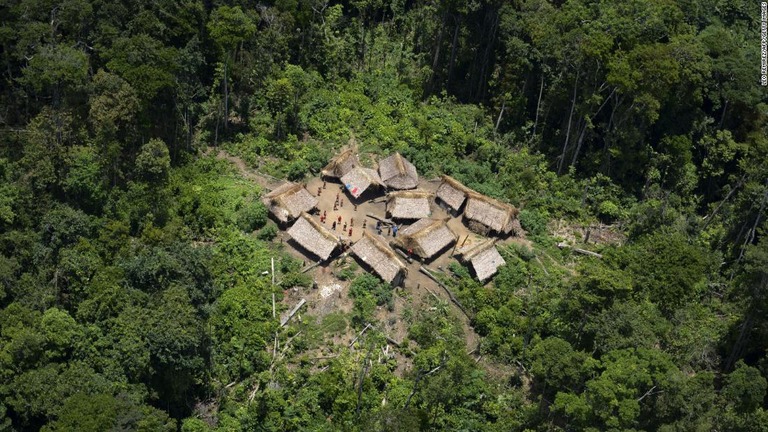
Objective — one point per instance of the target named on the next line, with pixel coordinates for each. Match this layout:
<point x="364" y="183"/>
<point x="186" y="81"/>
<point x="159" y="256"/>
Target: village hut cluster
<point x="409" y="216"/>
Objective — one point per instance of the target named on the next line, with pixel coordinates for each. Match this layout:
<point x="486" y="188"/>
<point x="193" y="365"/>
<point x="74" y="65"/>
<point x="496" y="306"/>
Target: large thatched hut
<point x="313" y="237"/>
<point x="288" y="201"/>
<point x="485" y="215"/>
<point x="359" y="179"/>
<point x="398" y="173"/>
<point x="341" y="164"/>
<point x="484" y="258"/>
<point x="374" y="253"/>
<point x="409" y="204"/>
<point x="426" y="238"/>
<point x="452" y="194"/>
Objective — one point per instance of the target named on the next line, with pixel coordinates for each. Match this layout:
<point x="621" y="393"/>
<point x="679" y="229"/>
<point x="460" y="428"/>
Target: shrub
<point x="534" y="221"/>
<point x="267" y="233"/>
<point x="252" y="216"/>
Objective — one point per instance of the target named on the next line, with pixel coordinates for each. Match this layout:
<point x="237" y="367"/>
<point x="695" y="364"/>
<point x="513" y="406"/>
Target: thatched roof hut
<point x="484" y="257"/>
<point x="341" y="164"/>
<point x="313" y="237"/>
<point x="426" y="237"/>
<point x="396" y="172"/>
<point x="288" y="201"/>
<point x="359" y="179"/>
<point x="486" y="214"/>
<point x="452" y="193"/>
<point x="376" y="254"/>
<point x="409" y="204"/>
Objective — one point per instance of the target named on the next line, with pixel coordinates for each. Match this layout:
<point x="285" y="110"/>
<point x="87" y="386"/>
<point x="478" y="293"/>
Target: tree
<point x="621" y="393"/>
<point x="84" y="182"/>
<point x="229" y="27"/>
<point x="668" y="269"/>
<point x="101" y="412"/>
<point x="114" y="107"/>
<point x="557" y="366"/>
<point x="153" y="162"/>
<point x="745" y="388"/>
<point x="57" y="71"/>
<point x="241" y="326"/>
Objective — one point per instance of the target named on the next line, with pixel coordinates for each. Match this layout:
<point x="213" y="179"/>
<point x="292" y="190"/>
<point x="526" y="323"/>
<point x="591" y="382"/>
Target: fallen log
<point x="290" y="315"/>
<point x="367" y="326"/>
<point x="379" y="218"/>
<point x="578" y="250"/>
<point x="448" y="291"/>
<point x="404" y="255"/>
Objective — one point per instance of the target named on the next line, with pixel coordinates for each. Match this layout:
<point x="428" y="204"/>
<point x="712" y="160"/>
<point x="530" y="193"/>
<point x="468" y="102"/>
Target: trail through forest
<point x="265" y="181"/>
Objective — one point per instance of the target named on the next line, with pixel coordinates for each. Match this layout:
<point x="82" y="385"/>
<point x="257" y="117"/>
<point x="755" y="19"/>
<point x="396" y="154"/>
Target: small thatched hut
<point x="313" y="237"/>
<point x="397" y="173"/>
<point x="452" y="194"/>
<point x="341" y="164"/>
<point x="288" y="201"/>
<point x="359" y="179"/>
<point x="426" y="238"/>
<point x="409" y="204"/>
<point x="484" y="214"/>
<point x="374" y="252"/>
<point x="484" y="258"/>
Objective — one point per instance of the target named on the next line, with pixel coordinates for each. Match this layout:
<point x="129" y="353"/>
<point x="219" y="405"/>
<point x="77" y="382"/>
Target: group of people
<point x="339" y="202"/>
<point x="390" y="228"/>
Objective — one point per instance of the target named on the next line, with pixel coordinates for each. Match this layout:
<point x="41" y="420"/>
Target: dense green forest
<point x="132" y="292"/>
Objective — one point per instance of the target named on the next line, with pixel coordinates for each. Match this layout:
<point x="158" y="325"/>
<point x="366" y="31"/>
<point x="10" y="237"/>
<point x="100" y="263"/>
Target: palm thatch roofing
<point x="493" y="214"/>
<point x="484" y="257"/>
<point x="288" y="201"/>
<point x="375" y="253"/>
<point x="341" y="164"/>
<point x="426" y="237"/>
<point x="359" y="179"/>
<point x="409" y="204"/>
<point x="398" y="173"/>
<point x="313" y="237"/>
<point x="452" y="192"/>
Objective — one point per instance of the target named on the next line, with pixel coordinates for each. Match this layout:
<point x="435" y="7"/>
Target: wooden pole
<point x="273" y="270"/>
<point x="274" y="315"/>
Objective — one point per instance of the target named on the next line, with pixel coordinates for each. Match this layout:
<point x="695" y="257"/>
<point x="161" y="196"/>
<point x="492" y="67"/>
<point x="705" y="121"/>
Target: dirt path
<point x="265" y="181"/>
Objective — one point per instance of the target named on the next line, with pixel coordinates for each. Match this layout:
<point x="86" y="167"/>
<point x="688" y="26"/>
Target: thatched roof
<point x="409" y="204"/>
<point x="313" y="236"/>
<point x="341" y="164"/>
<point x="495" y="215"/>
<point x="288" y="201"/>
<point x="452" y="192"/>
<point x="396" y="172"/>
<point x="375" y="252"/>
<point x="426" y="237"/>
<point x="484" y="257"/>
<point x="358" y="179"/>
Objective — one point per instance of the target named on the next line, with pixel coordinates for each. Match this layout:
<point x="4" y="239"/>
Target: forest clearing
<point x="198" y="204"/>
